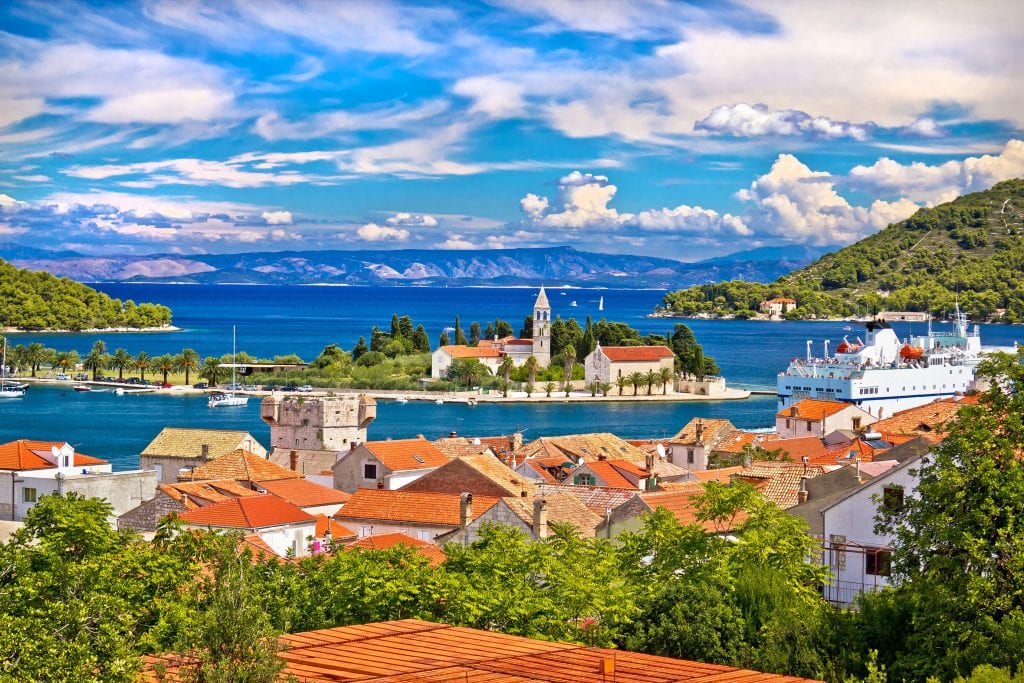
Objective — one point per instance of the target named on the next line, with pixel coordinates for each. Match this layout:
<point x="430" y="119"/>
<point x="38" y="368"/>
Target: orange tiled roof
<point x="588" y="446"/>
<point x="338" y="530"/>
<point x="205" y="492"/>
<point x="813" y="409"/>
<point x="458" y="351"/>
<point x="781" y="300"/>
<point x="636" y="354"/>
<point x="413" y="650"/>
<point x="256" y="512"/>
<point x="304" y="493"/>
<point x="597" y="498"/>
<point x="410" y="506"/>
<point x="460" y="446"/>
<point x="255" y="544"/>
<point x="611" y="472"/>
<point x="712" y="431"/>
<point x="24" y="454"/>
<point x="923" y="420"/>
<point x="683" y="506"/>
<point x="780" y="481"/>
<point x="406" y="454"/>
<point x="721" y="474"/>
<point x="738" y="441"/>
<point x="240" y="465"/>
<point x="563" y="508"/>
<point x="537" y="466"/>
<point x="434" y="554"/>
<point x="797" y="447"/>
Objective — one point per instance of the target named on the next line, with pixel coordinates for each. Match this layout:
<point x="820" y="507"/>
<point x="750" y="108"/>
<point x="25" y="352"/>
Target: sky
<point x="674" y="129"/>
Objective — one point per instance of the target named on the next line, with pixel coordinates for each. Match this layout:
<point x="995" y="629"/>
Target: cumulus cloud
<point x="744" y="120"/>
<point x="690" y="219"/>
<point x="925" y="127"/>
<point x="796" y="204"/>
<point x="495" y="97"/>
<point x="371" y="232"/>
<point x="277" y="217"/>
<point x="193" y="172"/>
<point x="457" y="241"/>
<point x="582" y="202"/>
<point x="412" y="220"/>
<point x="941" y="182"/>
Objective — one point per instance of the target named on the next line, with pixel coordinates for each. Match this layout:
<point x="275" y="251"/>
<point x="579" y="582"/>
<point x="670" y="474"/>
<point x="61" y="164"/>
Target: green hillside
<point x="972" y="247"/>
<point x="32" y="300"/>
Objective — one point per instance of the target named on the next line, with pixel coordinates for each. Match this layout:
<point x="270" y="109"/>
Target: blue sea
<point x="277" y="320"/>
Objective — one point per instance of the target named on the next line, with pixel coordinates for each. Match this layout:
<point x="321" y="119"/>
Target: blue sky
<point x="675" y="129"/>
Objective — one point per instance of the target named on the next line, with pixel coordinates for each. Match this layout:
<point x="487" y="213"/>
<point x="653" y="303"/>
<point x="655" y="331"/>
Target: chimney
<point x="293" y="461"/>
<point x="700" y="431"/>
<point x="204" y="451"/>
<point x="380" y="484"/>
<point x="792" y="411"/>
<point x="747" y="460"/>
<point x="465" y="509"/>
<point x="859" y="480"/>
<point x="354" y="445"/>
<point x="540" y="518"/>
<point x="517" y="441"/>
<point x="802" y="495"/>
<point x="649" y="462"/>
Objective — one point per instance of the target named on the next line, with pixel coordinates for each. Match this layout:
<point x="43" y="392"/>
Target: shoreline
<point x="93" y="330"/>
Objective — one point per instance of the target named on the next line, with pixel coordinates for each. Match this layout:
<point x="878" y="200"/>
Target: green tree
<point x="420" y="340"/>
<point x="360" y="348"/>
<point x="474" y="333"/>
<point x="35" y="356"/>
<point x="531" y="366"/>
<point x="66" y="360"/>
<point x="188" y="362"/>
<point x="548" y="388"/>
<point x="665" y="378"/>
<point x="164" y="364"/>
<point x="444" y="340"/>
<point x="568" y="361"/>
<point x="121" y="360"/>
<point x="623" y="381"/>
<point x="143" y="362"/>
<point x="211" y="371"/>
<point x="96" y="360"/>
<point x="468" y="372"/>
<point x="460" y="336"/>
<point x="650" y="379"/>
<point x="636" y="380"/>
<point x="505" y="368"/>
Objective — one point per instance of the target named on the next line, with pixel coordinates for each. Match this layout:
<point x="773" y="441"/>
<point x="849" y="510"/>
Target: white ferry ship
<point x="883" y="375"/>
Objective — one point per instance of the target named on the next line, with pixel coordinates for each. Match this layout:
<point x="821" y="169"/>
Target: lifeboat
<point x="847" y="346"/>
<point x="908" y="352"/>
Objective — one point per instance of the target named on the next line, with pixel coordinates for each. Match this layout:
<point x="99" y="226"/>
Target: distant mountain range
<point x="502" y="267"/>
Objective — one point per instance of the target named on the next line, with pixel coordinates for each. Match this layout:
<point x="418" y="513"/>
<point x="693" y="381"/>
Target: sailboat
<point x="600" y="304"/>
<point x="9" y="389"/>
<point x="222" y="399"/>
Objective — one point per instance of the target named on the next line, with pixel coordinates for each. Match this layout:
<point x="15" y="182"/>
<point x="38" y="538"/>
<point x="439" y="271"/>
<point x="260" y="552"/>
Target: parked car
<point x="235" y="387"/>
<point x="164" y="385"/>
<point x="61" y="377"/>
<point x="201" y="385"/>
<point x="82" y="377"/>
<point x="306" y="388"/>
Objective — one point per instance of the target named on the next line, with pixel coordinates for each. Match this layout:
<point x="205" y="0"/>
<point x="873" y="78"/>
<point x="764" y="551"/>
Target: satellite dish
<point x="661" y="451"/>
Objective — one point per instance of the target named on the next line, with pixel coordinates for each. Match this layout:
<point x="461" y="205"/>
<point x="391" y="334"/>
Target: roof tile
<point x="257" y="512"/>
<point x="813" y="409"/>
<point x="637" y="354"/>
<point x="239" y="465"/>
<point x="410" y="506"/>
<point x="406" y="454"/>
<point x="435" y="555"/>
<point x="24" y="454"/>
<point x="188" y="443"/>
<point x="304" y="493"/>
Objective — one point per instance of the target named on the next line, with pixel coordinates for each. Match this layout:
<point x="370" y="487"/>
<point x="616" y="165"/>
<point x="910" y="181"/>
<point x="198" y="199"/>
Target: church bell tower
<point x="542" y="329"/>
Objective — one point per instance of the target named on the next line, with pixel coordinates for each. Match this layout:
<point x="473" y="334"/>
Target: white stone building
<point x="609" y="363"/>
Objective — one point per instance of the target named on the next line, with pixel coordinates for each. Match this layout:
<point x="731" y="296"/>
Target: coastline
<point x="92" y="330"/>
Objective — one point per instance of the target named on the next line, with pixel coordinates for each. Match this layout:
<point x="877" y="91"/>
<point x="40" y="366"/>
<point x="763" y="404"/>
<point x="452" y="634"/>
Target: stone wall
<point x="123" y="490"/>
<point x="709" y="386"/>
<point x="328" y="423"/>
<point x="147" y="516"/>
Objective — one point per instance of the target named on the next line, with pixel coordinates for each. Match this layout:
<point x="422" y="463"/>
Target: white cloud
<point x="272" y="127"/>
<point x="164" y="106"/>
<point x="457" y="241"/>
<point x="15" y="110"/>
<point x="799" y="205"/>
<point x="35" y="178"/>
<point x="412" y="220"/>
<point x="690" y="219"/>
<point x="941" y="182"/>
<point x="371" y="232"/>
<point x="583" y="202"/>
<point x="193" y="172"/>
<point x="493" y="96"/>
<point x="744" y="120"/>
<point x="277" y="217"/>
<point x="925" y="127"/>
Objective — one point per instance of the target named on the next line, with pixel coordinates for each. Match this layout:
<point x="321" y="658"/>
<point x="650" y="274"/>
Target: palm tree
<point x="622" y="382"/>
<point x="95" y="361"/>
<point x="35" y="354"/>
<point x="210" y="370"/>
<point x="65" y="360"/>
<point x="531" y="368"/>
<point x="468" y="371"/>
<point x="120" y="359"/>
<point x="188" y="360"/>
<point x="568" y="361"/>
<point x="604" y="387"/>
<point x="549" y="387"/>
<point x="593" y="388"/>
<point x="529" y="389"/>
<point x="142" y="363"/>
<point x="165" y="364"/>
<point x="506" y="367"/>
<point x="665" y="377"/>
<point x="637" y="380"/>
<point x="650" y="379"/>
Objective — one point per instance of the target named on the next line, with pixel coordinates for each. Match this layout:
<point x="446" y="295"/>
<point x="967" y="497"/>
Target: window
<point x="369" y="470"/>
<point x="28" y="495"/>
<point x="584" y="479"/>
<point x="689" y="456"/>
<point x="808" y="425"/>
<point x="877" y="562"/>
<point x="787" y="423"/>
<point x="856" y="423"/>
<point x="892" y="498"/>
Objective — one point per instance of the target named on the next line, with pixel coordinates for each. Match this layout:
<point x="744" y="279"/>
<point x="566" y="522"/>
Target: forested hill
<point x="40" y="301"/>
<point x="971" y="247"/>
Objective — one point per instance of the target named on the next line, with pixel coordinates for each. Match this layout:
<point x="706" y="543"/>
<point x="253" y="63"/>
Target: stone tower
<point x="542" y="329"/>
<point x="309" y="433"/>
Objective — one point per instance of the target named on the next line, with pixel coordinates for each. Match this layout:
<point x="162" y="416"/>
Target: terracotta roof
<point x="712" y="431"/>
<point x="414" y="650"/>
<point x="780" y="481"/>
<point x="636" y="354"/>
<point x="721" y="474"/>
<point x="597" y="498"/>
<point x="588" y="446"/>
<point x="538" y="467"/>
<point x="612" y="474"/>
<point x="813" y="409"/>
<point x="923" y="420"/>
<point x="304" y="493"/>
<point x="410" y="506"/>
<point x="205" y="492"/>
<point x="459" y="351"/>
<point x="736" y="442"/>
<point x="257" y="512"/>
<point x="239" y="465"/>
<point x="497" y="472"/>
<point x="338" y="530"/>
<point x="24" y="454"/>
<point x="188" y="443"/>
<point x="255" y="544"/>
<point x="797" y="447"/>
<point x="683" y="506"/>
<point x="434" y="554"/>
<point x="406" y="454"/>
<point x="460" y="446"/>
<point x="563" y="508"/>
<point x="781" y="300"/>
